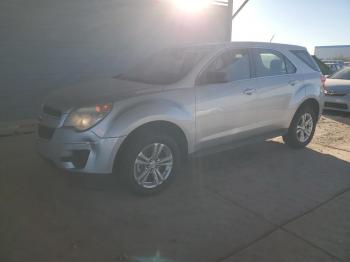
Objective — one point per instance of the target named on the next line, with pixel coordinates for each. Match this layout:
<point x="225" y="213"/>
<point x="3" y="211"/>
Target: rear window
<point x="304" y="56"/>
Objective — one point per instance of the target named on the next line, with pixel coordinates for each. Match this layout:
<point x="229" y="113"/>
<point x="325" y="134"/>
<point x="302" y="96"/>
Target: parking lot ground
<point x="262" y="202"/>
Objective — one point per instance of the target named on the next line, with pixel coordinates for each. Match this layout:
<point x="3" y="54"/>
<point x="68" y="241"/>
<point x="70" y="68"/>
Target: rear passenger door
<point x="276" y="79"/>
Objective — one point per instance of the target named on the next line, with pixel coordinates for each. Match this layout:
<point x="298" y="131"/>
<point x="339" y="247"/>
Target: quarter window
<point x="291" y="69"/>
<point x="304" y="56"/>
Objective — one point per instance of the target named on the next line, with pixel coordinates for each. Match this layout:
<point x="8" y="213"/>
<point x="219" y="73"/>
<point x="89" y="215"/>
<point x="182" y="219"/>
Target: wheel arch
<point x="313" y="102"/>
<point x="160" y="126"/>
<point x="290" y="138"/>
<point x="310" y="102"/>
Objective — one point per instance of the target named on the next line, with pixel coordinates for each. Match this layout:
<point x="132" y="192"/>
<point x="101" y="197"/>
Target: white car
<point x="337" y="91"/>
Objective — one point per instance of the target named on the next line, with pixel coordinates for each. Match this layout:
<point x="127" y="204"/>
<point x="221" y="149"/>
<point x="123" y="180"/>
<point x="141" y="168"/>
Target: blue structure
<point x="50" y="44"/>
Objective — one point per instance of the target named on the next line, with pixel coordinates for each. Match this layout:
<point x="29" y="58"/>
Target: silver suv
<point x="182" y="101"/>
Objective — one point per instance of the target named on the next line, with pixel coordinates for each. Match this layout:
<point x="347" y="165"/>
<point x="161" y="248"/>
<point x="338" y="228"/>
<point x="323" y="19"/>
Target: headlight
<point x="86" y="117"/>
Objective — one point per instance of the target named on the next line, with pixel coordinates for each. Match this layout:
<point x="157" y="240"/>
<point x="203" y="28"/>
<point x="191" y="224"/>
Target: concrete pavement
<point x="262" y="202"/>
<point x="9" y="128"/>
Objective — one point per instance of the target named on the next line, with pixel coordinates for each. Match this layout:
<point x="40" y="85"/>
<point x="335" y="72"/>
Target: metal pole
<point x="229" y="20"/>
<point x="239" y="9"/>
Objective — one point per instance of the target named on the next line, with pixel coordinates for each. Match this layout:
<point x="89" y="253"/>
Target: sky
<point x="308" y="23"/>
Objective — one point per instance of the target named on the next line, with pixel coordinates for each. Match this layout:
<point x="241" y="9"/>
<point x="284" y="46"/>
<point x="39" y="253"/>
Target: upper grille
<point x="52" y="111"/>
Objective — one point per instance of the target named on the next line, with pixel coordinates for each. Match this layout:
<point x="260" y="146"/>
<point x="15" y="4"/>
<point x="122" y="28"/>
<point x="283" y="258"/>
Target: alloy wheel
<point x="304" y="127"/>
<point x="153" y="165"/>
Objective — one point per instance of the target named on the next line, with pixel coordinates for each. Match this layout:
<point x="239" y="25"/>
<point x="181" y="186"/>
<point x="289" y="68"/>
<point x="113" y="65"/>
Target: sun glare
<point x="191" y="6"/>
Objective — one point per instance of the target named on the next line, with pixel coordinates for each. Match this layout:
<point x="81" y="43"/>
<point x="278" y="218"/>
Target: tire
<point x="300" y="133"/>
<point x="153" y="170"/>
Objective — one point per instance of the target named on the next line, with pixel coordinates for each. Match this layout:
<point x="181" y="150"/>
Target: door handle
<point x="249" y="91"/>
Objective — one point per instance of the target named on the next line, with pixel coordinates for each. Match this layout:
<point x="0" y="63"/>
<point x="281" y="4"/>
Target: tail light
<point x="323" y="82"/>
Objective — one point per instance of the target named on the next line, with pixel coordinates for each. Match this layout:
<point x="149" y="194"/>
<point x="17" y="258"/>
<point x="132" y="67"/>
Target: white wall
<point x="47" y="44"/>
<point x="332" y="52"/>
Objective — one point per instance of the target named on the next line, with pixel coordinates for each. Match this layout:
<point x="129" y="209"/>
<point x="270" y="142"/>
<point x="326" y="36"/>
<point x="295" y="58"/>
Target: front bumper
<point x="79" y="152"/>
<point x="339" y="103"/>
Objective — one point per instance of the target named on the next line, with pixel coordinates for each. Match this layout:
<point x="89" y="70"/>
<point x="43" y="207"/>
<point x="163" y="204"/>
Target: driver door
<point x="225" y="98"/>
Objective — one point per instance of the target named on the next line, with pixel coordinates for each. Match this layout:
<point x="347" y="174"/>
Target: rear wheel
<point x="149" y="162"/>
<point x="302" y="128"/>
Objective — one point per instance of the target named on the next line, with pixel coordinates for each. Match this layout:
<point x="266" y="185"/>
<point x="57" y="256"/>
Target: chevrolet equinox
<point x="182" y="101"/>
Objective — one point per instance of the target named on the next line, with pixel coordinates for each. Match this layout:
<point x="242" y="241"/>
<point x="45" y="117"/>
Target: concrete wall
<point x="333" y="52"/>
<point x="48" y="44"/>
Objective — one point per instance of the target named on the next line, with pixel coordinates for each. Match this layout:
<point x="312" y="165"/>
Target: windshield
<point x="342" y="74"/>
<point x="166" y="67"/>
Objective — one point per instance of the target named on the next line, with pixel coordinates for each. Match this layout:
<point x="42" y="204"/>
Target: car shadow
<point x="271" y="159"/>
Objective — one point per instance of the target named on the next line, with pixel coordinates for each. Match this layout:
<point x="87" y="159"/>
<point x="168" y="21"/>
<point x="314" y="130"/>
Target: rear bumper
<point x="79" y="152"/>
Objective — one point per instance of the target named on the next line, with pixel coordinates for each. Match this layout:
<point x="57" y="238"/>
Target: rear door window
<point x="271" y="63"/>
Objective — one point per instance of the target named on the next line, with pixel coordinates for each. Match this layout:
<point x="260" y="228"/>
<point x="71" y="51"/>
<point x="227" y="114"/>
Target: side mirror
<point x="212" y="77"/>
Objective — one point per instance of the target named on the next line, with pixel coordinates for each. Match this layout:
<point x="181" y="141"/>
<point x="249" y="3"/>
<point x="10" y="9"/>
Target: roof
<point x="267" y="44"/>
<point x="249" y="44"/>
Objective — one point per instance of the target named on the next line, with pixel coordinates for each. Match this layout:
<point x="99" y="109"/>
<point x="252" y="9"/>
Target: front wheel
<point x="150" y="163"/>
<point x="302" y="128"/>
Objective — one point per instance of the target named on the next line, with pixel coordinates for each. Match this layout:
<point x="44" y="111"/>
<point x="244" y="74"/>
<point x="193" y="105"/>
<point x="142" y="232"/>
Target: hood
<point x="338" y="86"/>
<point x="95" y="92"/>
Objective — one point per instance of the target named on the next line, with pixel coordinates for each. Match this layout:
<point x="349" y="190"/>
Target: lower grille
<point x="336" y="105"/>
<point x="78" y="158"/>
<point x="45" y="132"/>
<point x="334" y="94"/>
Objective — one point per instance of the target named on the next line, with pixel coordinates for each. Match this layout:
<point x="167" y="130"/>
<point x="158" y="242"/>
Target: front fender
<point x="136" y="115"/>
